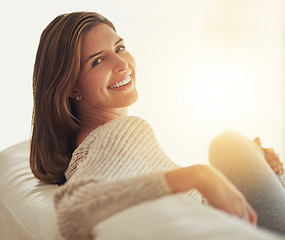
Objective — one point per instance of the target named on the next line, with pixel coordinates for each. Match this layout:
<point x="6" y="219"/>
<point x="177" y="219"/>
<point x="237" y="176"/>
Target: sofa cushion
<point x="26" y="204"/>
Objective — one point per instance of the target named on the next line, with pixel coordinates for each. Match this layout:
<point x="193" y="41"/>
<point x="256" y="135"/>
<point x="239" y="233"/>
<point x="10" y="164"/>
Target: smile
<point x="121" y="83"/>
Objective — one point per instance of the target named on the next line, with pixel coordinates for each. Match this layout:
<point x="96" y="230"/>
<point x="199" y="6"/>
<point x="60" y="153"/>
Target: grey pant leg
<point x="244" y="165"/>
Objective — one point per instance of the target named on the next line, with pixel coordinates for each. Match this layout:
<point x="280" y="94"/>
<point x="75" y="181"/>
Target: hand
<point x="271" y="157"/>
<point x="215" y="187"/>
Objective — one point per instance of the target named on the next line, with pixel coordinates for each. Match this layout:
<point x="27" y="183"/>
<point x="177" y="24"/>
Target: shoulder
<point x="124" y="123"/>
<point x="113" y="133"/>
<point x="115" y="128"/>
<point x="123" y="127"/>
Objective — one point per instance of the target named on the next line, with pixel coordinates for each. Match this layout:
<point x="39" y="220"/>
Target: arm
<point x="82" y="203"/>
<point x="85" y="201"/>
<point x="218" y="191"/>
<point x="120" y="152"/>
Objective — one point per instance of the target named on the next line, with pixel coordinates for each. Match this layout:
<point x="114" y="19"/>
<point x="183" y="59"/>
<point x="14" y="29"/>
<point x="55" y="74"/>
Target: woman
<point x="84" y="80"/>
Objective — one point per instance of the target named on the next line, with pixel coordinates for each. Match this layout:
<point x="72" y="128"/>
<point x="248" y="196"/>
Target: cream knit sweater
<point x="118" y="165"/>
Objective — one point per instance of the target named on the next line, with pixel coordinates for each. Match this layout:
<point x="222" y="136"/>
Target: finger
<point x="249" y="215"/>
<point x="272" y="157"/>
<point x="257" y="141"/>
<point x="252" y="216"/>
<point x="278" y="169"/>
<point x="269" y="151"/>
<point x="274" y="162"/>
<point x="244" y="211"/>
<point x="275" y="165"/>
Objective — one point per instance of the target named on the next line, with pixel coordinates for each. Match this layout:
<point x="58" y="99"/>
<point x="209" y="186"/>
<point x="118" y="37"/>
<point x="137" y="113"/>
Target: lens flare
<point x="217" y="89"/>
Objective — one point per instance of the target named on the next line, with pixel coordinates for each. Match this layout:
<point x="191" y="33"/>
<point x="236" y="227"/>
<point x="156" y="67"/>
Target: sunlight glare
<point x="217" y="89"/>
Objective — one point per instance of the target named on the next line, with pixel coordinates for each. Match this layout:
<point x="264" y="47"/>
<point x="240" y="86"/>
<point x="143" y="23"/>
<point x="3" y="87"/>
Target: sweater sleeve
<point x="123" y="166"/>
<point x="85" y="201"/>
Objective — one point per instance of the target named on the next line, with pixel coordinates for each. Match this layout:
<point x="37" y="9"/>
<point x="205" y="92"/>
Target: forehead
<point x="97" y="39"/>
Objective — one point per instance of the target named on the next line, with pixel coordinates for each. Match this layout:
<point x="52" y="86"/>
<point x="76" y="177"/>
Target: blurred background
<point x="203" y="67"/>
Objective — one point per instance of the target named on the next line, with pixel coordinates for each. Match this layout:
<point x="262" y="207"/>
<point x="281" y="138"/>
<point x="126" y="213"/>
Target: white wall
<point x="194" y="60"/>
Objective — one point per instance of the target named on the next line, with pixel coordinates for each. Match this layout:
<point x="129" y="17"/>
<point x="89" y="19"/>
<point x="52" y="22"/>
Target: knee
<point x="229" y="144"/>
<point x="227" y="140"/>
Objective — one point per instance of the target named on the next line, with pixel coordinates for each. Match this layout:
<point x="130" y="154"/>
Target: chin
<point x="132" y="102"/>
<point x="131" y="99"/>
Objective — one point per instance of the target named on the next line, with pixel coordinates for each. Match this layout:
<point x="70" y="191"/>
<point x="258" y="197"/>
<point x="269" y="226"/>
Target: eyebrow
<point x="95" y="54"/>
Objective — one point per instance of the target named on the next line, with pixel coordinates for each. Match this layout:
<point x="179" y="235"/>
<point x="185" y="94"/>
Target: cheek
<point x="132" y="64"/>
<point x="93" y="81"/>
<point x="132" y="61"/>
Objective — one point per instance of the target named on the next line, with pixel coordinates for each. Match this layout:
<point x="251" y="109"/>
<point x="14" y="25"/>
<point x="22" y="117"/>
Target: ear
<point x="75" y="95"/>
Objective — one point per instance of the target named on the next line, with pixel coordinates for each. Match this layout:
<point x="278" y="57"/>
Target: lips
<point x="121" y="83"/>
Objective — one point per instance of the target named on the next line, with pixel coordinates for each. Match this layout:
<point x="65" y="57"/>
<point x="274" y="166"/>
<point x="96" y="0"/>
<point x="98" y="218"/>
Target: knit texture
<point x="118" y="165"/>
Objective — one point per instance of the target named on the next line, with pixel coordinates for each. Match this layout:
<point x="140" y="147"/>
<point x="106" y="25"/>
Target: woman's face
<point x="107" y="74"/>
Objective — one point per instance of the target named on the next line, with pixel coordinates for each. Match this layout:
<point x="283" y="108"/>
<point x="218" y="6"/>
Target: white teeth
<point x="121" y="83"/>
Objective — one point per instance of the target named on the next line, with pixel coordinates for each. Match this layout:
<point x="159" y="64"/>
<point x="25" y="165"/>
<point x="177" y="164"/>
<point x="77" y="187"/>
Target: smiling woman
<point x="235" y="81"/>
<point x="55" y="122"/>
<point x="104" y="75"/>
<point x="107" y="161"/>
<point x="106" y="83"/>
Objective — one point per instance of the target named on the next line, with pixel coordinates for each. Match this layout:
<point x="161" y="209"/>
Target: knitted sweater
<point x="118" y="165"/>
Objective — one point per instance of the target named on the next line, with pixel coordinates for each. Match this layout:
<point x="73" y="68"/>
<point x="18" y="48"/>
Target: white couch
<point x="27" y="212"/>
<point x="26" y="204"/>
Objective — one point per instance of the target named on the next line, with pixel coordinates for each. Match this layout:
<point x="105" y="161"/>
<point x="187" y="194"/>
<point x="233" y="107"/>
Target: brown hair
<point x="56" y="70"/>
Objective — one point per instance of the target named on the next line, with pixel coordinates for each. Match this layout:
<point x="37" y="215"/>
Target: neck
<point x="89" y="120"/>
<point x="99" y="117"/>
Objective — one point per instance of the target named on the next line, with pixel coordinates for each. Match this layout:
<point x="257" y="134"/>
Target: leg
<point x="243" y="163"/>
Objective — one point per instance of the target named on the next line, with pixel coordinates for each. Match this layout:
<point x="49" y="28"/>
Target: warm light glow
<point x="202" y="67"/>
<point x="218" y="88"/>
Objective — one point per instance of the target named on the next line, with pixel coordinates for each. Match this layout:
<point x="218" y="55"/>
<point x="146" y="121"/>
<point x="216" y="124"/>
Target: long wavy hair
<point x="56" y="70"/>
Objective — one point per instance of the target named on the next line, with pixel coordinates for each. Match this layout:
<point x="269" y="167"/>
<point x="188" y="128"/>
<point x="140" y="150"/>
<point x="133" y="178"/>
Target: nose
<point x="120" y="64"/>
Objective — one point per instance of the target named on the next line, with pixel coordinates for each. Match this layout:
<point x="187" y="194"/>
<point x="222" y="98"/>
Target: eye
<point x="96" y="61"/>
<point x="120" y="49"/>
